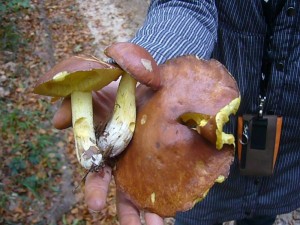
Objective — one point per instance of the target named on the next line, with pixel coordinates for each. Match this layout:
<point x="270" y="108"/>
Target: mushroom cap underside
<point x="168" y="167"/>
<point x="78" y="73"/>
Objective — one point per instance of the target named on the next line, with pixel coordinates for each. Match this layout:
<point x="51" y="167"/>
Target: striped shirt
<point x="233" y="31"/>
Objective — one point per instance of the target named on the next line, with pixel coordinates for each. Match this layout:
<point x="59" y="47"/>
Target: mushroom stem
<point x="119" y="130"/>
<point x="82" y="119"/>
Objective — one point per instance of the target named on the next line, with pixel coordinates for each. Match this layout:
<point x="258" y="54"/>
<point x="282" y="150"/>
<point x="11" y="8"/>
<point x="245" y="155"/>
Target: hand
<point x="96" y="188"/>
<point x="97" y="184"/>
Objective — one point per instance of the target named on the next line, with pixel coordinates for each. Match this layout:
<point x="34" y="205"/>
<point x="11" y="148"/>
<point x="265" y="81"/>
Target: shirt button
<point x="291" y="11"/>
<point x="280" y="66"/>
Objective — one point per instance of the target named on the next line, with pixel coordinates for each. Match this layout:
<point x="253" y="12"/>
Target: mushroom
<point x="139" y="66"/>
<point x="78" y="76"/>
<point x="168" y="166"/>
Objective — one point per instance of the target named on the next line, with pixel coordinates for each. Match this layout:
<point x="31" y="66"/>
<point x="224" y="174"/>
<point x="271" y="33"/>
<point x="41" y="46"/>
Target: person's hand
<point x="97" y="184"/>
<point x="96" y="188"/>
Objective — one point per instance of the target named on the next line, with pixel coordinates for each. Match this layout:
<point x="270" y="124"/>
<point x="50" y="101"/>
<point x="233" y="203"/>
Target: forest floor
<point x="39" y="166"/>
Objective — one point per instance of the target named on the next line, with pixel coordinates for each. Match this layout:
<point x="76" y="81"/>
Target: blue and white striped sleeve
<point x="173" y="28"/>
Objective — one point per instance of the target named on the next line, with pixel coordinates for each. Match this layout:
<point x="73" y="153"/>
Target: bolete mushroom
<point x="139" y="66"/>
<point x="168" y="166"/>
<point x="78" y="76"/>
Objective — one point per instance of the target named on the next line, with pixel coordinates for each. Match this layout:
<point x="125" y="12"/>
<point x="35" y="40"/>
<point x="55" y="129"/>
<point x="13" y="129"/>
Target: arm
<point x="174" y="28"/>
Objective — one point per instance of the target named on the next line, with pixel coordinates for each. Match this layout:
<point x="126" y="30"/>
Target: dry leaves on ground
<point x="39" y="166"/>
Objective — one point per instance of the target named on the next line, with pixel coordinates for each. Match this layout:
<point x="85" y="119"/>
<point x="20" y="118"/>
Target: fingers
<point x="63" y="116"/>
<point x="96" y="189"/>
<point x="153" y="219"/>
<point x="128" y="213"/>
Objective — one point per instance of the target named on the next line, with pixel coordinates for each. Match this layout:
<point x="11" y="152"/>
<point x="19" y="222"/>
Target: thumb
<point x="96" y="189"/>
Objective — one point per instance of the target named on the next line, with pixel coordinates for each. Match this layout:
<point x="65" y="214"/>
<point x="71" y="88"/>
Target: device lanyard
<point x="270" y="17"/>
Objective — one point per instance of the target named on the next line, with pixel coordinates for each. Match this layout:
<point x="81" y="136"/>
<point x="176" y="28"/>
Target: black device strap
<point x="270" y="16"/>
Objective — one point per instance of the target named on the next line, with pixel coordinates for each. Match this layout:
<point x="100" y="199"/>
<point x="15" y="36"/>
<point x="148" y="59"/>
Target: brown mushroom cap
<point x="78" y="73"/>
<point x="137" y="61"/>
<point x="168" y="167"/>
